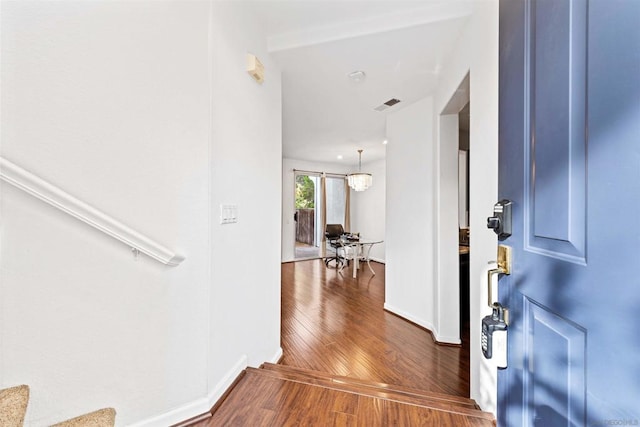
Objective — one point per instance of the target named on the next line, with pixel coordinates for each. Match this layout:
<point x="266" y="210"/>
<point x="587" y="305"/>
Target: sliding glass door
<point x="310" y="213"/>
<point x="307" y="215"/>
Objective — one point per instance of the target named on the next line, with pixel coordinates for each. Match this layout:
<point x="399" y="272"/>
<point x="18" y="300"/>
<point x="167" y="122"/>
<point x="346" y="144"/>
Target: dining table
<point x="358" y="251"/>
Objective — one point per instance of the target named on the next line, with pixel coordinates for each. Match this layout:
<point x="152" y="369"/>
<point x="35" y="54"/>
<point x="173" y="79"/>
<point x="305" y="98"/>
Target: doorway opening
<point x="453" y="213"/>
<point x="307" y="216"/>
<point x="463" y="214"/>
<point x="311" y="205"/>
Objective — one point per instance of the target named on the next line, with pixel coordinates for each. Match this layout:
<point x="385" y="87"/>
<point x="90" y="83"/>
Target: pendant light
<point x="359" y="181"/>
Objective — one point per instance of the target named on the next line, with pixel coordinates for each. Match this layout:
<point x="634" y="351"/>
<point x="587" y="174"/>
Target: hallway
<point x="336" y="324"/>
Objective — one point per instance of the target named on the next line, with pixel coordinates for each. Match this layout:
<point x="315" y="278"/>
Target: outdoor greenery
<point x="305" y="191"/>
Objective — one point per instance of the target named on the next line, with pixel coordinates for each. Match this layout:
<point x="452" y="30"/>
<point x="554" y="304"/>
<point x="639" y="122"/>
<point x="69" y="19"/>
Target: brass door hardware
<point x="504" y="267"/>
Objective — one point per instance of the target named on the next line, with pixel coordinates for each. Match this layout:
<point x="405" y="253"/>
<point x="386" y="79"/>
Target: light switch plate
<point x="228" y="214"/>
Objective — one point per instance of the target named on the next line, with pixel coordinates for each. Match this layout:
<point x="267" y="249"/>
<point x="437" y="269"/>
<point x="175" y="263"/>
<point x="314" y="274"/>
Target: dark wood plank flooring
<point x="264" y="398"/>
<point x="334" y="327"/>
<point x="336" y="324"/>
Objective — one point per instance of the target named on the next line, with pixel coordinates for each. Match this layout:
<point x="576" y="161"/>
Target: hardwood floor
<point x="336" y="324"/>
<point x="347" y="362"/>
<point x="274" y="396"/>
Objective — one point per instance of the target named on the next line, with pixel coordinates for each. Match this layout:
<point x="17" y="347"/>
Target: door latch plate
<point x="504" y="258"/>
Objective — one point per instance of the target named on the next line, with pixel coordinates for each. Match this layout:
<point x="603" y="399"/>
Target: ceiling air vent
<point x="389" y="103"/>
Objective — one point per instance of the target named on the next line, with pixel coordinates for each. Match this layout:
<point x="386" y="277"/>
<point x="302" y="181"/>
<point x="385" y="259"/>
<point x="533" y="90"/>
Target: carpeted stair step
<point x="437" y="401"/>
<point x="101" y="418"/>
<point x="13" y="405"/>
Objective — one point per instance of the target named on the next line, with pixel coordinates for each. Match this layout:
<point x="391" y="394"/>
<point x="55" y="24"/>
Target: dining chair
<point x="333" y="233"/>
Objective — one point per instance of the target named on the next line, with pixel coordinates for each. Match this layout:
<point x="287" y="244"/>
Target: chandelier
<point x="359" y="181"/>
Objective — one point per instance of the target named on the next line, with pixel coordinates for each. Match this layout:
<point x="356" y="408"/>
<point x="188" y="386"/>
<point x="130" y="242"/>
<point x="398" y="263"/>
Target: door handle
<point x="504" y="267"/>
<point x="490" y="275"/>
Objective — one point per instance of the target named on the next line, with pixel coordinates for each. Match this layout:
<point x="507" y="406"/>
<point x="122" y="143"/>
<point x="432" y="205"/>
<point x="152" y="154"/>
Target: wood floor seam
<point x="469" y="412"/>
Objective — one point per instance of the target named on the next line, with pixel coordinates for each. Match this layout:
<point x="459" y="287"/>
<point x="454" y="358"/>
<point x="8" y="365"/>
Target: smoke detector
<point x="357" y="76"/>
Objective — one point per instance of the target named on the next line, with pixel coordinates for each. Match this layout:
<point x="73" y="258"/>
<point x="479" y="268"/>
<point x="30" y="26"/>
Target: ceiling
<point x="399" y="45"/>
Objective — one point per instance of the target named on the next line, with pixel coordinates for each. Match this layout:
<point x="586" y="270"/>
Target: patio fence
<point x="305" y="226"/>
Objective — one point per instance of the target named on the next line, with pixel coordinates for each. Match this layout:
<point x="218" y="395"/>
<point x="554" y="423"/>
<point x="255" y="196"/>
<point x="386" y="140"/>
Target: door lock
<point x="493" y="338"/>
<point x="500" y="222"/>
<point x="495" y="325"/>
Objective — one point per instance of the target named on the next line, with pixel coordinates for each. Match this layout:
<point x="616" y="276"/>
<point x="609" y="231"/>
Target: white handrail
<point x="48" y="193"/>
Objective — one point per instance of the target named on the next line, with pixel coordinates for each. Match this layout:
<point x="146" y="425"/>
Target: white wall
<point x="447" y="278"/>
<point x="463" y="209"/>
<point x="368" y="209"/>
<point x="246" y="171"/>
<point x="477" y="53"/>
<point x="410" y="215"/>
<point x="112" y="101"/>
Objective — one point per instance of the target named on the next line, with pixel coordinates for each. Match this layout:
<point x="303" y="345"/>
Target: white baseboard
<point x="199" y="406"/>
<point x="276" y="357"/>
<point x="410" y="317"/>
<point x="380" y="260"/>
<point x="225" y="383"/>
<point x="176" y="415"/>
<point x="443" y="339"/>
<point x="427" y="325"/>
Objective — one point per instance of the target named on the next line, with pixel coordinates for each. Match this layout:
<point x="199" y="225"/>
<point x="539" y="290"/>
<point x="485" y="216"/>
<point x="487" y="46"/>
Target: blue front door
<point x="570" y="162"/>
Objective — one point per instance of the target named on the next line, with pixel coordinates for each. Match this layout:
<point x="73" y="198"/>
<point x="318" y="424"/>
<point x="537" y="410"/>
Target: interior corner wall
<point x="144" y="110"/>
<point x="409" y="233"/>
<point x="477" y="54"/>
<point x="246" y="172"/>
<point x="368" y="209"/>
<point x="110" y="102"/>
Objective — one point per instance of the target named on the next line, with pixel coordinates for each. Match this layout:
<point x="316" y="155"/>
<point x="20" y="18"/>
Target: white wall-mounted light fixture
<point x="255" y="68"/>
<point x="359" y="181"/>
